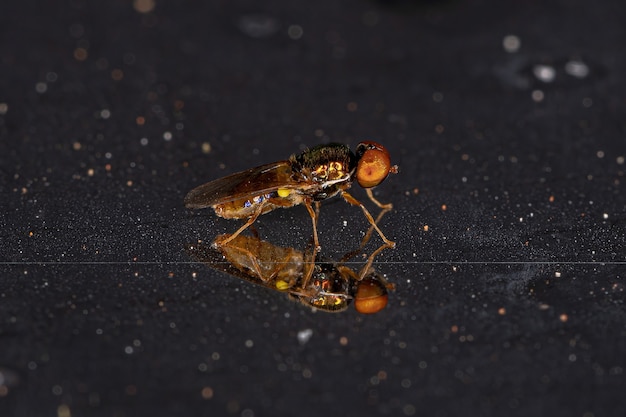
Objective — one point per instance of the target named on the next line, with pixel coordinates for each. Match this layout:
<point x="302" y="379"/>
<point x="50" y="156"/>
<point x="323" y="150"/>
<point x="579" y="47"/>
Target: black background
<point x="509" y="208"/>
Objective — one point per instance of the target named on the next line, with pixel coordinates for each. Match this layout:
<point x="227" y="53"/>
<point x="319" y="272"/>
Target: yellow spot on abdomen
<point x="283" y="192"/>
<point x="282" y="285"/>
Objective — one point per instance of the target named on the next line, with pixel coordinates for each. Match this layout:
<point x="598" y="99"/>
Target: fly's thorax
<point x="328" y="289"/>
<point x="326" y="163"/>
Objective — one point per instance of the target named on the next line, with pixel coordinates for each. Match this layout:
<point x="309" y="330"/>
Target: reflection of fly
<point x="310" y="177"/>
<point x="322" y="285"/>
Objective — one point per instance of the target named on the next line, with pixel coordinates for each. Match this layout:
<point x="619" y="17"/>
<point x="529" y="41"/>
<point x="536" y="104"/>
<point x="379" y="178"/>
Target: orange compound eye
<point x="371" y="296"/>
<point x="374" y="164"/>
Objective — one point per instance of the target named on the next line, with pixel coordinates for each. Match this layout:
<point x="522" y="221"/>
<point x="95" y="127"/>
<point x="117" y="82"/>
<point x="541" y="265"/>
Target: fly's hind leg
<point x="224" y="240"/>
<point x="252" y="219"/>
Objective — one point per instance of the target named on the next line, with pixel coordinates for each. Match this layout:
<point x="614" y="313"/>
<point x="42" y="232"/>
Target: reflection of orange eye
<point x="374" y="164"/>
<point x="371" y="296"/>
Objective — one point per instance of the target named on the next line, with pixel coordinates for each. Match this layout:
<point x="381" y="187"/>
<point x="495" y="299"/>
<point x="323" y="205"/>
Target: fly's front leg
<point x="355" y="202"/>
<point x="365" y="239"/>
<point x="370" y="260"/>
<point x="370" y="194"/>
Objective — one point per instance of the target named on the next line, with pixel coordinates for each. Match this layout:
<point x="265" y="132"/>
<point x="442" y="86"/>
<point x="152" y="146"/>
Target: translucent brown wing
<point x="252" y="182"/>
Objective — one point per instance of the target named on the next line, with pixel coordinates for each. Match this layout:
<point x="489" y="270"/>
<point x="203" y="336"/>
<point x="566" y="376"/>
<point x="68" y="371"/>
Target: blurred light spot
<point x="102" y="64"/>
<point x="544" y="73"/>
<point x="41" y="87"/>
<point x="207" y="393"/>
<point x="4" y="107"/>
<point x="80" y="54"/>
<point x="206" y="147"/>
<point x="117" y="74"/>
<point x="63" y="411"/>
<point x="105" y="113"/>
<point x="408" y="409"/>
<point x="232" y="407"/>
<point x="143" y="6"/>
<point x="8" y="379"/>
<point x="537" y="95"/>
<point x="129" y="58"/>
<point x="511" y="43"/>
<point x="249" y="343"/>
<point x="167" y="136"/>
<point x="51" y="77"/>
<point x="257" y="25"/>
<point x="295" y="32"/>
<point x="587" y="102"/>
<point x="600" y="154"/>
<point x="577" y="69"/>
<point x="304" y="336"/>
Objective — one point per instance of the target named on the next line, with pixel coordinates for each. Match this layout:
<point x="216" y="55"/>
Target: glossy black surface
<point x="509" y="212"/>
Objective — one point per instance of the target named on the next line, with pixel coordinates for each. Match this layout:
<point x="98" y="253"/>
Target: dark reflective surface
<point x="506" y="120"/>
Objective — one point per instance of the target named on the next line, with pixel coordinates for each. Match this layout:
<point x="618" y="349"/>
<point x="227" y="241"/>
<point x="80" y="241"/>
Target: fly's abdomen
<point x="245" y="208"/>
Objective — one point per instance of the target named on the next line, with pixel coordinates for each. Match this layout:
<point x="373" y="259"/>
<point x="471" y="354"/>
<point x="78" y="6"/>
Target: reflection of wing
<point x="215" y="259"/>
<point x="256" y="181"/>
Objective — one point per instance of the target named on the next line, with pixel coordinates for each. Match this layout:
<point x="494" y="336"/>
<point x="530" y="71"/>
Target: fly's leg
<point x="365" y="239"/>
<point x="314" y="215"/>
<point x="374" y="226"/>
<point x="370" y="260"/>
<point x="317" y="211"/>
<point x="370" y="194"/>
<point x="224" y="241"/>
<point x="252" y="219"/>
<point x="309" y="267"/>
<point x="355" y="202"/>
